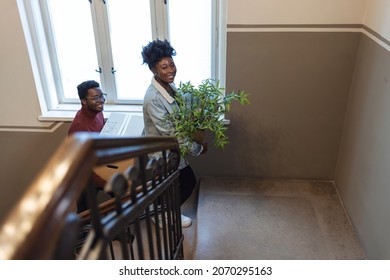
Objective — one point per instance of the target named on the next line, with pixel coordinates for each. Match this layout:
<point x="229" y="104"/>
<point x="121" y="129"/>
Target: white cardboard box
<point x="122" y="124"/>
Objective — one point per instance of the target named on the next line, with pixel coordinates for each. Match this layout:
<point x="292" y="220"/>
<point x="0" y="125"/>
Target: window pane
<point x="190" y="35"/>
<point x="130" y="27"/>
<point x="75" y="45"/>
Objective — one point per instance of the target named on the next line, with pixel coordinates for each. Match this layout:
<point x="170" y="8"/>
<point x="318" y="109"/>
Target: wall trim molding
<point x="229" y="26"/>
<point x="311" y="28"/>
<point x="49" y="129"/>
<point x="377" y="37"/>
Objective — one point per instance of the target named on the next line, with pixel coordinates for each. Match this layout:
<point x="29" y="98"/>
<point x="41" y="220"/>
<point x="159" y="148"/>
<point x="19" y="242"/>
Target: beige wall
<point x="299" y="84"/>
<point x="362" y="174"/>
<point x="362" y="170"/>
<point x="295" y="11"/>
<point x="23" y="155"/>
<point x="377" y="17"/>
<point x="19" y="101"/>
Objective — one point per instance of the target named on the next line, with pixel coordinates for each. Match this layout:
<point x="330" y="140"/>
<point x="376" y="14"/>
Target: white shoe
<point x="185" y="221"/>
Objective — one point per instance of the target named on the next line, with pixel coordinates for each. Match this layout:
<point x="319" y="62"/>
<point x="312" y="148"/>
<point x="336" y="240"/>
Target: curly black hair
<point x="155" y="51"/>
<point x="82" y="89"/>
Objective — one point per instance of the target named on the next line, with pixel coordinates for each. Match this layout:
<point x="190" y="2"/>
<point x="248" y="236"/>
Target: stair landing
<point x="259" y="219"/>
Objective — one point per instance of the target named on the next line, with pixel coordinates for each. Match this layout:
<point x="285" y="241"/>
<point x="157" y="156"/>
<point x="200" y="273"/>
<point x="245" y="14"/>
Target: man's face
<point x="94" y="100"/>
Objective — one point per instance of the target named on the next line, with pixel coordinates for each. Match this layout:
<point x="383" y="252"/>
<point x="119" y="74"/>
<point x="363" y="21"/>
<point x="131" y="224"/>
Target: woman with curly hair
<point x="159" y="101"/>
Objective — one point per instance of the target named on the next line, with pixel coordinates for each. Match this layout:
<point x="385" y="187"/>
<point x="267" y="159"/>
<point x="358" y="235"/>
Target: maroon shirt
<point x="87" y="120"/>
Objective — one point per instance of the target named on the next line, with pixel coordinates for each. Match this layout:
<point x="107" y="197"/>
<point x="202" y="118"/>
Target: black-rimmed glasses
<point x="96" y="98"/>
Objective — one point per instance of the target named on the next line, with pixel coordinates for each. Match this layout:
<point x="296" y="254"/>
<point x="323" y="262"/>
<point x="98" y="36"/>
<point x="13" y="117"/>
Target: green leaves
<point x="202" y="108"/>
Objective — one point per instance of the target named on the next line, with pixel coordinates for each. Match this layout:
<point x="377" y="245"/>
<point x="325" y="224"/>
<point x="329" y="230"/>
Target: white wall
<point x="377" y="17"/>
<point x="19" y="104"/>
<point x="296" y="11"/>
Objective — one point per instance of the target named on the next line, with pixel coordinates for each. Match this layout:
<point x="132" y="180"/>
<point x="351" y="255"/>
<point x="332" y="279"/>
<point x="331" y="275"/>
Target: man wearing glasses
<point x="89" y="118"/>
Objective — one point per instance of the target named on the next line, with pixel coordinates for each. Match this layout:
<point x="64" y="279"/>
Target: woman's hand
<point x="204" y="145"/>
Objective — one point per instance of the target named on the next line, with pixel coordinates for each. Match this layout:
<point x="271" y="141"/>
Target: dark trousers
<point x="98" y="194"/>
<point x="187" y="181"/>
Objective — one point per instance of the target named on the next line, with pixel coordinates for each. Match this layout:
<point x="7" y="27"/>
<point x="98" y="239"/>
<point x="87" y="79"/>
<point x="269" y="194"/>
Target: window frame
<point x="55" y="107"/>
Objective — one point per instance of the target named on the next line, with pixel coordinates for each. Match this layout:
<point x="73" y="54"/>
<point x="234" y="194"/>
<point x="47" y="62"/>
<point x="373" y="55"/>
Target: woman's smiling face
<point x="165" y="70"/>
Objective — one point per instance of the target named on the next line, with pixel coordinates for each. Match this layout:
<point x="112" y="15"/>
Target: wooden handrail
<point x="33" y="227"/>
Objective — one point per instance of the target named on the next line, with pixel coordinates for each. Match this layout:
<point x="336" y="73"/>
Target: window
<point x="75" y="40"/>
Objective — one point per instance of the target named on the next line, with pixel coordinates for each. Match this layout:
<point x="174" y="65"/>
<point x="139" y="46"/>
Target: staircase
<point x="233" y="218"/>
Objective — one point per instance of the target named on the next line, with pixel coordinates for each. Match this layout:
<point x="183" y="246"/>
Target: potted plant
<point x="202" y="108"/>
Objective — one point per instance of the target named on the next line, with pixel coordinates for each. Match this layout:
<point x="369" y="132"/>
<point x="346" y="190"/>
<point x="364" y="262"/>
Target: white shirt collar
<point x="163" y="91"/>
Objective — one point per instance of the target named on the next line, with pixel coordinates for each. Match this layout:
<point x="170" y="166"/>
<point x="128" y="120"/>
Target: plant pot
<point x="198" y="136"/>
